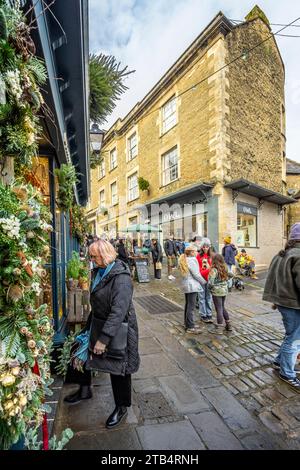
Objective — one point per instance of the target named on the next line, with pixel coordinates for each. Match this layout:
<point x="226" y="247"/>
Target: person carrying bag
<point x="109" y="342"/>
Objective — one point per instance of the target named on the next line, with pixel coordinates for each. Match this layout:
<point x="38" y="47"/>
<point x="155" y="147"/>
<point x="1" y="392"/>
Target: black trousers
<point x="121" y="385"/>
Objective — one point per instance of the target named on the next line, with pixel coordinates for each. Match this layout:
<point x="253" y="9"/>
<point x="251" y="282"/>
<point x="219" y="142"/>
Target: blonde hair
<point x="105" y="249"/>
<point x="182" y="263"/>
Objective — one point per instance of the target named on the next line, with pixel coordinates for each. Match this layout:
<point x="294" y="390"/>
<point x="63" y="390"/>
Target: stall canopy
<point x="141" y="228"/>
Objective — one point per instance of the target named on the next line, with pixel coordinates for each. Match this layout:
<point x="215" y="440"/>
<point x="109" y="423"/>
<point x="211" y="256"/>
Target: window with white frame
<point x="102" y="198"/>
<point x="114" y="193"/>
<point x="169" y="166"/>
<point x="132" y="146"/>
<point x="133" y="187"/>
<point x="113" y="159"/>
<point x="169" y="118"/>
<point x="101" y="169"/>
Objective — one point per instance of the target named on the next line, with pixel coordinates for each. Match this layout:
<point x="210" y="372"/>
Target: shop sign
<point x="245" y="209"/>
<point x="168" y="216"/>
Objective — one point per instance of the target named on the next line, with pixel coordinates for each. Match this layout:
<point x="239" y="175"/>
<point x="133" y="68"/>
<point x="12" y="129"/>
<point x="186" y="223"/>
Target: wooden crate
<point x="78" y="305"/>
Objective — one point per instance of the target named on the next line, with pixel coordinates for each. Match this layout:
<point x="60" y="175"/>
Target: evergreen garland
<point x="25" y="328"/>
<point x="21" y="76"/>
<point x="66" y="175"/>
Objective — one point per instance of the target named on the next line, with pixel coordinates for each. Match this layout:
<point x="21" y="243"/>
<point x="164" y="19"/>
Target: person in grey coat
<point x="282" y="288"/>
<point x="111" y="304"/>
<point x="192" y="284"/>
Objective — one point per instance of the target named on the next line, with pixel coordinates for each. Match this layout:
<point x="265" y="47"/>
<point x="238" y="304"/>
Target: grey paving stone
<point x="235" y="369"/>
<point x="217" y="355"/>
<point x="259" y="441"/>
<point x="271" y="422"/>
<point x="250" y="404"/>
<point x="144" y="331"/>
<point x="185" y="398"/>
<point x="241" y="351"/>
<point x="154" y="405"/>
<point x="145" y="385"/>
<point x="252" y="363"/>
<point x="214" y="433"/>
<point x="294" y="410"/>
<point x="226" y="371"/>
<point x="89" y="415"/>
<point x="149" y="346"/>
<point x="245" y="366"/>
<point x="255" y="348"/>
<point x="123" y="438"/>
<point x="247" y="381"/>
<point x="264" y="377"/>
<point x="239" y="385"/>
<point x="230" y="355"/>
<point x="172" y="436"/>
<point x="234" y="414"/>
<point x="230" y="387"/>
<point x="255" y="379"/>
<point x="272" y="394"/>
<point x="263" y="361"/>
<point x="262" y="399"/>
<point x="154" y="365"/>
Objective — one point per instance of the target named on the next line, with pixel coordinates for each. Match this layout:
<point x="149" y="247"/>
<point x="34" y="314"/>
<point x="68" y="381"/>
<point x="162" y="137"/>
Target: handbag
<point x="117" y="347"/>
<point x="158" y="265"/>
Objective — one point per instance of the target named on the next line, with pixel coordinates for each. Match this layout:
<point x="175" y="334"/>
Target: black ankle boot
<point x="116" y="417"/>
<point x="84" y="393"/>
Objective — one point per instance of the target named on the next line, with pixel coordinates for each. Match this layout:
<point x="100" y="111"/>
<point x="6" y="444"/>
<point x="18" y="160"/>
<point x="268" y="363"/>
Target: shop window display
<point x="246" y="226"/>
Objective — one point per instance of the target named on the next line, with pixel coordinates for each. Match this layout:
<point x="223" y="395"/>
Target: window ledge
<point x="168" y="184"/>
<point x="131" y="200"/>
<point x="128" y="161"/>
<point x="112" y="169"/>
<point x="166" y="132"/>
<point x="249" y="247"/>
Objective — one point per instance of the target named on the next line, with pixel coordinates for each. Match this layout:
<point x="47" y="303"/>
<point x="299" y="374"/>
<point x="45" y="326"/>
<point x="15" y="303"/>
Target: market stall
<point x="139" y="259"/>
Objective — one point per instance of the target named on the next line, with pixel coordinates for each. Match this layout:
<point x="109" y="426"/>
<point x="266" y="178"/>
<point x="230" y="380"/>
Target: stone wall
<point x="293" y="210"/>
<point x="199" y="123"/>
<point x="256" y="100"/>
<point x="230" y="126"/>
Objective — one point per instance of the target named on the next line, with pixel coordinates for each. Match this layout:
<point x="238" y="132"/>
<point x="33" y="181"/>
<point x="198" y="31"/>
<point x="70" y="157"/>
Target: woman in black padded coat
<point x="111" y="304"/>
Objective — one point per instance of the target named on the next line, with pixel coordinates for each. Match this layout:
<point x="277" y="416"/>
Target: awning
<point x="198" y="191"/>
<point x="263" y="194"/>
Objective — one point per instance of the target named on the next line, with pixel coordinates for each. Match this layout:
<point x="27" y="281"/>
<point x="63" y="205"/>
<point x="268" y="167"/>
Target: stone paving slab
<point x="154" y="405"/>
<point x="114" y="439"/>
<point x="213" y="431"/>
<point x="156" y="365"/>
<point x="145" y="385"/>
<point x="149" y="346"/>
<point x="173" y="436"/>
<point x="235" y="415"/>
<point x="185" y="398"/>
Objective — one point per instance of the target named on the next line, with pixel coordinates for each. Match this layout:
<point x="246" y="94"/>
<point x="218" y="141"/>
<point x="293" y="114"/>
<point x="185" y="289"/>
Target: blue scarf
<point x="81" y="354"/>
<point x="101" y="273"/>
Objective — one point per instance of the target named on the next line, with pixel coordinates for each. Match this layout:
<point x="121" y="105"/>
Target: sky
<point x="149" y="35"/>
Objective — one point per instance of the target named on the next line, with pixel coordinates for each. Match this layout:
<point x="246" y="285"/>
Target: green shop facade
<point x="61" y="40"/>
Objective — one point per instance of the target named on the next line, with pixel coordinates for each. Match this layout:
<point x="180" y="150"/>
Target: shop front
<point x="186" y="213"/>
<point x="65" y="136"/>
<point x="254" y="217"/>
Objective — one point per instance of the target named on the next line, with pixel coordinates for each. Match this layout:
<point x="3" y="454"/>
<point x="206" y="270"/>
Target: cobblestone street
<point x="195" y="392"/>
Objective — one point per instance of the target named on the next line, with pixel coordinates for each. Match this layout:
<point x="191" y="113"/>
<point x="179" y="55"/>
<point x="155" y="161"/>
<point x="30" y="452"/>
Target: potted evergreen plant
<point x="143" y="184"/>
<point x="73" y="270"/>
<point x="84" y="277"/>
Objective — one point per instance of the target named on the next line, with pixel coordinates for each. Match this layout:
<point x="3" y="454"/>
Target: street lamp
<point x="96" y="138"/>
